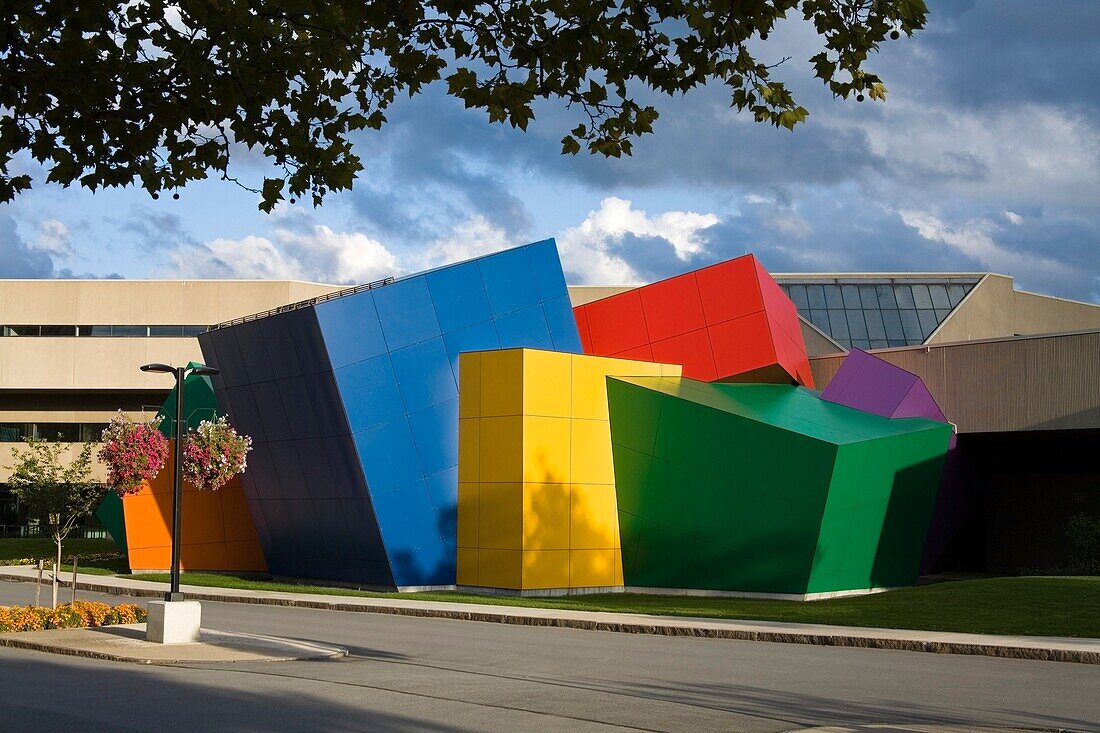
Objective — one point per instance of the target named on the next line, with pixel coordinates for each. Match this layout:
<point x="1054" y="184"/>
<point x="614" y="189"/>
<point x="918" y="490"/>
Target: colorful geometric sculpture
<point x="767" y="488"/>
<point x="873" y="385"/>
<point x="352" y="404"/>
<point x="536" y="492"/>
<point x="216" y="529"/>
<point x="730" y="321"/>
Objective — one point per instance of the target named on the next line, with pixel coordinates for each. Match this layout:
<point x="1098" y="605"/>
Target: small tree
<point x="56" y="495"/>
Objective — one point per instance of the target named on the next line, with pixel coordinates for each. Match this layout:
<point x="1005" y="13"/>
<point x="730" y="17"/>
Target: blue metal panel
<point x="546" y="267"/>
<point x="459" y="296"/>
<point x="527" y="327"/>
<point x="443" y="490"/>
<point x="424" y="374"/>
<point x="406" y="312"/>
<point x="408" y="523"/>
<point x="479" y="337"/>
<point x="430" y="564"/>
<point x="509" y="282"/>
<point x="388" y="456"/>
<point x="351" y="329"/>
<point x="369" y="392"/>
<point x="435" y="432"/>
<point x="563" y="325"/>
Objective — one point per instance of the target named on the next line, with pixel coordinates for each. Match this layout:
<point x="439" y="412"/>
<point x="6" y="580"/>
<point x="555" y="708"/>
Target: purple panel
<point x="867" y="383"/>
<point x="919" y="403"/>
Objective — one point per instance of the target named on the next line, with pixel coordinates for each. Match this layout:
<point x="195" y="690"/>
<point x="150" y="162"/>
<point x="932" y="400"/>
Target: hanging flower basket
<point x="213" y="454"/>
<point x="133" y="452"/>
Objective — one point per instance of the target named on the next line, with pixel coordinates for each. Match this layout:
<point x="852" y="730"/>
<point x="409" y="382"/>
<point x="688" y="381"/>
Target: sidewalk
<point x="1085" y="651"/>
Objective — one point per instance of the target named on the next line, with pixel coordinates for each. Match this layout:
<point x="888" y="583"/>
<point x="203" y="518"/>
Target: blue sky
<point x="986" y="156"/>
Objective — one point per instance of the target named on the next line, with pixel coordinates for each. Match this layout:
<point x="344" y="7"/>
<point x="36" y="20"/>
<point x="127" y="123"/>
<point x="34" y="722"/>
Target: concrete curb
<point x="789" y="633"/>
<point x="213" y="647"/>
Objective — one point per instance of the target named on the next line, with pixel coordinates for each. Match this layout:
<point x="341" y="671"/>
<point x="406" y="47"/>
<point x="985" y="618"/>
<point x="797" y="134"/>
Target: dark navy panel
<point x="280" y="347"/>
<point x="291" y="477"/>
<point x="305" y="335"/>
<point x="508" y="280"/>
<point x="323" y="395"/>
<point x="257" y="362"/>
<point x="240" y="405"/>
<point x="343" y="463"/>
<point x="406" y="312"/>
<point x="458" y="296"/>
<point x="315" y="468"/>
<point x="369" y="392"/>
<point x="219" y="349"/>
<point x="424" y="375"/>
<point x="546" y="267"/>
<point x="563" y="325"/>
<point x="435" y="433"/>
<point x="389" y="457"/>
<point x="270" y="406"/>
<point x="351" y="329"/>
<point x="525" y="327"/>
<point x="260" y="479"/>
<point x="297" y="406"/>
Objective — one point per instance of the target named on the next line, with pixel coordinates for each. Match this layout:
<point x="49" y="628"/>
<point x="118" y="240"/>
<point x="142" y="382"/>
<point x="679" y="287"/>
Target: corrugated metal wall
<point x="1026" y="383"/>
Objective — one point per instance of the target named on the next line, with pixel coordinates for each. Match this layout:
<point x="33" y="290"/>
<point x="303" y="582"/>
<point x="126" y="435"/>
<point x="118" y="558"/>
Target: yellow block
<point x="593" y="518"/>
<point x="469" y="384"/>
<point x="467" y="566"/>
<point x="590" y="452"/>
<point x="544" y="506"/>
<point x="500" y="516"/>
<point x="546" y="449"/>
<point x="500" y="569"/>
<point x="543" y="569"/>
<point x="546" y="383"/>
<point x="468" y="514"/>
<point x="501" y="382"/>
<point x="536" y="505"/>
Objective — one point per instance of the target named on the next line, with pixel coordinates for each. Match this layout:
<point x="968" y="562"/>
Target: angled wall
<point x="356" y="400"/>
<point x="730" y="321"/>
<point x="767" y="489"/>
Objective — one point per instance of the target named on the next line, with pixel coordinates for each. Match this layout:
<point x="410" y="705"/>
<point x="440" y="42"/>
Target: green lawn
<point x="1041" y="606"/>
<point x="25" y="548"/>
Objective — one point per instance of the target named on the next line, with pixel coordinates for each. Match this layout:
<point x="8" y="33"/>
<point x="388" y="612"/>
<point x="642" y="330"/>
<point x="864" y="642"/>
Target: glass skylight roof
<point x="873" y="313"/>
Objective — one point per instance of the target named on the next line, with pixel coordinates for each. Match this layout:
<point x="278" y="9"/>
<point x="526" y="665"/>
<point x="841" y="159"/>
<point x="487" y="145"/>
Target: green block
<point x="767" y="488"/>
<point x="111" y="516"/>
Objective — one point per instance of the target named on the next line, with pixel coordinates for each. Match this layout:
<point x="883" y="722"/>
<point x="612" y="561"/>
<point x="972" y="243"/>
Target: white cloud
<point x="974" y="239"/>
<point x="472" y="238"/>
<point x="588" y="252"/>
<point x="1013" y="217"/>
<point x="54" y="237"/>
<point x="316" y="253"/>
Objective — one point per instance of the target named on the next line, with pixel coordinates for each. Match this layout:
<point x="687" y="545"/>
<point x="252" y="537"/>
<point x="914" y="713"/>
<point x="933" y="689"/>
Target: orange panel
<point x="218" y="532"/>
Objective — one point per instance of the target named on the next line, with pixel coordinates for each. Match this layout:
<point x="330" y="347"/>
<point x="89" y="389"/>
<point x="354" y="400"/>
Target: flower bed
<point x="79" y="615"/>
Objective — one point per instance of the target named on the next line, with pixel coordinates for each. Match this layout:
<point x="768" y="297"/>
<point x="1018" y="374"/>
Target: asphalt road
<point x="438" y="674"/>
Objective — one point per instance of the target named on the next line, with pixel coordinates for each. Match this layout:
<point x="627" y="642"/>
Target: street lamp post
<point x="178" y="431"/>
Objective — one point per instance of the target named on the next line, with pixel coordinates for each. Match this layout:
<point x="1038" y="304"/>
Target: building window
<point x="120" y="331"/>
<point x="72" y="432"/>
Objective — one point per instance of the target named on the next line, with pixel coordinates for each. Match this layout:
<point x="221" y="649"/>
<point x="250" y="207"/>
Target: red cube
<point x="728" y="322"/>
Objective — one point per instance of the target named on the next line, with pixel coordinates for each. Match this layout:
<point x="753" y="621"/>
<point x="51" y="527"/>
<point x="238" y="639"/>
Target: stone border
<point x="572" y="620"/>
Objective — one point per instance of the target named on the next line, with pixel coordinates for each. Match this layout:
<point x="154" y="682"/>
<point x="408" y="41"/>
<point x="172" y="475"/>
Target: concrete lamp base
<point x="173" y="622"/>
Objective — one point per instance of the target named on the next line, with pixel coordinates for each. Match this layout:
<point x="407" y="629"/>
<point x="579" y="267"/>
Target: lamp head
<point x="206" y="370"/>
<point x="158" y="367"/>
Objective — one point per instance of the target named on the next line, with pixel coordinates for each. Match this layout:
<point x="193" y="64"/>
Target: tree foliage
<point x="161" y="93"/>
